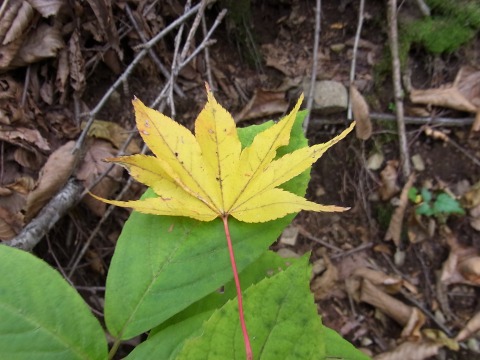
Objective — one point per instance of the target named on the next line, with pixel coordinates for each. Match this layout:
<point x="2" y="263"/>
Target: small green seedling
<point x="440" y="205"/>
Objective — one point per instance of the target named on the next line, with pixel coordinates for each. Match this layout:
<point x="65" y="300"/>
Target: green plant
<point x="440" y="205"/>
<point x="163" y="280"/>
<point x="453" y="24"/>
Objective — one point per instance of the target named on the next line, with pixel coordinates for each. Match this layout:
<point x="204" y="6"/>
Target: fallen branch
<point x="397" y="86"/>
<point x="313" y="77"/>
<point x="36" y="229"/>
<point x="411" y="120"/>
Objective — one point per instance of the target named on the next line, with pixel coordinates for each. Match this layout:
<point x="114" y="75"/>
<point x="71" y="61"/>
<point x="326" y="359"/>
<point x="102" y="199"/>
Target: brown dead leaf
<point x="103" y="12"/>
<point x="31" y="158"/>
<point x="387" y="283"/>
<point x="450" y="98"/>
<point x="436" y="134"/>
<point x="418" y="350"/>
<point x="462" y="265"/>
<point x="361" y="114"/>
<point x="113" y="133"/>
<point x="47" y="7"/>
<point x="7" y="230"/>
<point x="262" y="104"/>
<point x="42" y="43"/>
<point x="14" y="23"/>
<point x="53" y="176"/>
<point x="389" y="187"/>
<point x="77" y="63"/>
<point x="31" y="136"/>
<point x="323" y="285"/>
<point x="93" y="166"/>
<point x="472" y="327"/>
<point x="468" y="83"/>
<point x="396" y="222"/>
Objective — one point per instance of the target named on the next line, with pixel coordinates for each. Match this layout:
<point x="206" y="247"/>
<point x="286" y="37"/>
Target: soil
<point x="340" y="177"/>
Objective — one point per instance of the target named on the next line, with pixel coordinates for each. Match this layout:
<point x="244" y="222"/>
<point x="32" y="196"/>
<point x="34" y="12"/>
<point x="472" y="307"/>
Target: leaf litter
<point x="456" y="263"/>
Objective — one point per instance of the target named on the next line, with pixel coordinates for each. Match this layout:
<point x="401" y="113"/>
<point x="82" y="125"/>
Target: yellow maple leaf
<point x="209" y="175"/>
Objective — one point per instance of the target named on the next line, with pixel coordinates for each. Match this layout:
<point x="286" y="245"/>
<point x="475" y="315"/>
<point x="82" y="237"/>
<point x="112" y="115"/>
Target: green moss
<point x="452" y="24"/>
<point x="438" y="35"/>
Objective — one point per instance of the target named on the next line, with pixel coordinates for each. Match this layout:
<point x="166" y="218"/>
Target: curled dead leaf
<point x="411" y="350"/>
<point x="388" y="175"/>
<point x="396" y="222"/>
<point x="53" y="176"/>
<point x="263" y="103"/>
<point x="322" y="285"/>
<point x="93" y="166"/>
<point x="472" y="327"/>
<point x="361" y="114"/>
<point x="42" y="43"/>
<point x="77" y="63"/>
<point x="113" y="133"/>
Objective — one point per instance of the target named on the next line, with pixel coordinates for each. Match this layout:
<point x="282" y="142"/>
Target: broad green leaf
<point x="338" y="348"/>
<point x="445" y="204"/>
<point x="281" y="316"/>
<point x="209" y="175"/>
<point x="41" y="315"/>
<point x="165" y="341"/>
<point x="164" y="264"/>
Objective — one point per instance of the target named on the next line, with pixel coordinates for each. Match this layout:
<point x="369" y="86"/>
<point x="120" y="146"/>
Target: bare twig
<point x="151" y="52"/>
<point x="206" y="42"/>
<point x="25" y="86"/>
<point x="91" y="115"/>
<point x="309" y="236"/>
<point x="412" y="120"/>
<point x="313" y="78"/>
<point x="393" y="34"/>
<point x="207" y="56"/>
<point x="425" y="10"/>
<point x="354" y="55"/>
<point x="34" y="231"/>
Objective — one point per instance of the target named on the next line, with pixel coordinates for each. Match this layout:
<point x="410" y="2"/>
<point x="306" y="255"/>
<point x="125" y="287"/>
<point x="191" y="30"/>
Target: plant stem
<point x="114" y="348"/>
<point x="246" y="339"/>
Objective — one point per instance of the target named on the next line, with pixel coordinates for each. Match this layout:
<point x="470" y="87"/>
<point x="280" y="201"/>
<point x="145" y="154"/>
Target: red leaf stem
<point x="246" y="339"/>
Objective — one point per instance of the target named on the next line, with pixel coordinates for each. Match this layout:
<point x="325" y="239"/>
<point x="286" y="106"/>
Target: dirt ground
<point x="421" y="273"/>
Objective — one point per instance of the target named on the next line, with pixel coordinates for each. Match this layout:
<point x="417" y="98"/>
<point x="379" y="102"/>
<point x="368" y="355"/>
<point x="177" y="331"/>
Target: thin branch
<point x="411" y="120"/>
<point x="36" y="229"/>
<point x="151" y="52"/>
<point x="91" y="115"/>
<point x="354" y="56"/>
<point x="207" y="56"/>
<point x="393" y="33"/>
<point x="424" y="9"/>
<point x="313" y="78"/>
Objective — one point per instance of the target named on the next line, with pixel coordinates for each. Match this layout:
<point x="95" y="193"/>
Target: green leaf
<point x="164" y="341"/>
<point x="164" y="264"/>
<point x="338" y="348"/>
<point x="41" y="315"/>
<point x="445" y="204"/>
<point x="424" y="209"/>
<point x="281" y="317"/>
<point x="426" y="195"/>
<point x="413" y="194"/>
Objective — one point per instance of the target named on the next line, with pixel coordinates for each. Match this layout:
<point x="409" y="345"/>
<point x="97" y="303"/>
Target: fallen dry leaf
<point x="472" y="327"/>
<point x="462" y="265"/>
<point x="31" y="136"/>
<point x="113" y="133"/>
<point x="53" y="176"/>
<point x="93" y="166"/>
<point x="450" y="98"/>
<point x="42" y="43"/>
<point x="323" y="285"/>
<point x="396" y="222"/>
<point x="361" y="114"/>
<point x="262" y="104"/>
<point x="47" y="7"/>
<point x="418" y="350"/>
<point x="388" y="175"/>
<point x="387" y="283"/>
<point x="77" y="63"/>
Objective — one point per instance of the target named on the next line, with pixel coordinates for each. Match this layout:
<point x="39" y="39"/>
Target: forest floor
<point x="407" y="294"/>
